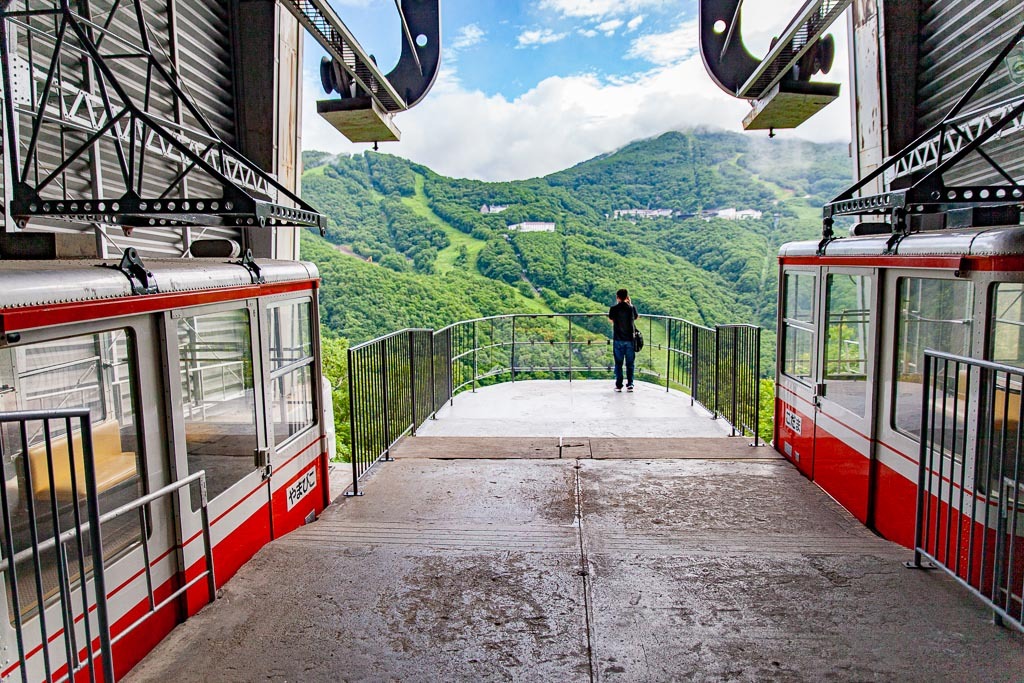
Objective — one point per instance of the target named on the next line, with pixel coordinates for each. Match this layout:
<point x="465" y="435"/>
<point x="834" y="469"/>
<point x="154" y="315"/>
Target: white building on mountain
<point x="532" y="226"/>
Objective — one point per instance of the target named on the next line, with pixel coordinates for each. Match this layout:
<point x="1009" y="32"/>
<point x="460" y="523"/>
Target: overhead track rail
<point x="935" y="153"/>
<point x="779" y="86"/>
<point x="80" y="87"/>
<point x="367" y="98"/>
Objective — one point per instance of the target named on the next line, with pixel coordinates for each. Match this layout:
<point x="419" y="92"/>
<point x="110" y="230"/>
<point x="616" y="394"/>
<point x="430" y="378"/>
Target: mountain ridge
<point x="429" y="229"/>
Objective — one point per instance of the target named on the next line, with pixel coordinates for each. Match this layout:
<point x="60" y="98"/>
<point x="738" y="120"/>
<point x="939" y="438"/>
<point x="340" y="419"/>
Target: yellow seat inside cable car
<point x="1005" y="404"/>
<point x="113" y="465"/>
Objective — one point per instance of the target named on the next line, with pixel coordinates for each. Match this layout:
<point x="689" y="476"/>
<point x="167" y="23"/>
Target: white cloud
<point x="608" y="27"/>
<point x="587" y="32"/>
<point x="543" y="36"/>
<point x="634" y="23"/>
<point x="666" y="48"/>
<point x="598" y="9"/>
<point x="562" y="121"/>
<point x="467" y="36"/>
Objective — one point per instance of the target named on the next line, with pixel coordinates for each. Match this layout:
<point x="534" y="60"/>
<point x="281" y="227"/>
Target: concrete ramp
<point x="582" y="569"/>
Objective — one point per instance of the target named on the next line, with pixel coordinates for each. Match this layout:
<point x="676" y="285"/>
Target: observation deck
<point x="548" y="529"/>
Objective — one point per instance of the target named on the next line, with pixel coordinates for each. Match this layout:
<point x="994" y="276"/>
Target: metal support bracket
<point x="249" y="263"/>
<point x="141" y="278"/>
<point x="922" y="565"/>
<point x="938" y="151"/>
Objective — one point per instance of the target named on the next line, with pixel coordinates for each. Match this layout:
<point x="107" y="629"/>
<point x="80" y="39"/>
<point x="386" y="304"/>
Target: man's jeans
<point x="623" y="352"/>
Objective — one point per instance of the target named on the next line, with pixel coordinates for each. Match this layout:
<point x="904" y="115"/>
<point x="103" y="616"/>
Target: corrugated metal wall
<point x="193" y="36"/>
<point x="958" y="39"/>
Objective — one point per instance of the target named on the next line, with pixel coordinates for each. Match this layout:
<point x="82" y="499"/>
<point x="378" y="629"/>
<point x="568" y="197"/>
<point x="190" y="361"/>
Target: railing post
<point x="476" y="350"/>
<point x="433" y="380"/>
<point x="412" y="378"/>
<point x="451" y="367"/>
<point x="693" y="364"/>
<point x="735" y="376"/>
<point x="513" y="354"/>
<point x="757" y="386"/>
<point x="204" y="513"/>
<point x="96" y="539"/>
<point x="668" y="351"/>
<point x="717" y="369"/>
<point x="921" y="464"/>
<point x="570" y="347"/>
<point x="386" y="397"/>
<point x="353" y="440"/>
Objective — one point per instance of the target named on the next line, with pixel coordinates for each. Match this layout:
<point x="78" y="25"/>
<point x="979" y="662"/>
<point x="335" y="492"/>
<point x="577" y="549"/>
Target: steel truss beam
<point x="941" y="149"/>
<point x="120" y="113"/>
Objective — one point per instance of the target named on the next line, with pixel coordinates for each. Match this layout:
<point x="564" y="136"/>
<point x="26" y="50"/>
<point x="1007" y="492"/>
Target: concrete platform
<point x="587" y="570"/>
<point x="581" y="408"/>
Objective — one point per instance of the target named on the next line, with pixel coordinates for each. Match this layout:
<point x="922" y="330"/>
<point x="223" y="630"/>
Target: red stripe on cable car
<point x="964" y="263"/>
<point x="894" y="261"/>
<point x="45" y="315"/>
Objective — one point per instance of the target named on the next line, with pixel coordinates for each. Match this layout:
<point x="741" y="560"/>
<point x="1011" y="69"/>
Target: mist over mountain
<point x="690" y="222"/>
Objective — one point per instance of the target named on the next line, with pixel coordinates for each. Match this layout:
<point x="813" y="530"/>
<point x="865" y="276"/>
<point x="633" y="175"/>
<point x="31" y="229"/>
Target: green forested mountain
<point x="408" y="247"/>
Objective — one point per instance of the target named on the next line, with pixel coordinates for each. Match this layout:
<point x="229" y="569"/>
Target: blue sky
<point x="528" y="87"/>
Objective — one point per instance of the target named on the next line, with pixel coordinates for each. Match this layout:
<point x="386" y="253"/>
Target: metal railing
<point x="970" y="496"/>
<point x="395" y="383"/>
<point x="399" y="380"/>
<point x="54" y="550"/>
<point x="738" y="361"/>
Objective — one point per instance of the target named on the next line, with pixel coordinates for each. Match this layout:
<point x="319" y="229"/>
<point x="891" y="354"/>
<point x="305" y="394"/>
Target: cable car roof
<point x="1000" y="241"/>
<point x="34" y="283"/>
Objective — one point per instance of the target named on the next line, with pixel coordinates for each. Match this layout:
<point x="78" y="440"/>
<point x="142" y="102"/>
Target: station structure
<point x="164" y="427"/>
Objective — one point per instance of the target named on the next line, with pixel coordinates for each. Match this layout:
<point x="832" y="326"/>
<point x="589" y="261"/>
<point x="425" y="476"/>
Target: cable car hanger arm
<point x="417" y="67"/>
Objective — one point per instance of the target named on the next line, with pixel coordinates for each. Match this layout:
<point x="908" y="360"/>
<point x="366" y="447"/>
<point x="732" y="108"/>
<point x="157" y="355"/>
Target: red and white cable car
<point x="218" y="372"/>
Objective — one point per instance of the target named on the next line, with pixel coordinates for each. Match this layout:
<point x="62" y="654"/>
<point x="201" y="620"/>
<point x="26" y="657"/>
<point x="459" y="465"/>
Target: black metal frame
<point x="83" y="540"/>
<point x="250" y="196"/>
<point x="929" y="194"/>
<point x="971" y="437"/>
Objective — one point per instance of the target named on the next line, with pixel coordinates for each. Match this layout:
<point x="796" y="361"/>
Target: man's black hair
<point x="622" y="295"/>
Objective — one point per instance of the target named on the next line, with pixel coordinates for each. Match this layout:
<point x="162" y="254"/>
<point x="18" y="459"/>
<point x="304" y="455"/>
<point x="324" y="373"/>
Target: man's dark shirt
<point x="623" y="315"/>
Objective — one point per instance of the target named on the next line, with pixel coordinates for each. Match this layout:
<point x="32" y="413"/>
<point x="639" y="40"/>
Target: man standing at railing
<point x="622" y="315"/>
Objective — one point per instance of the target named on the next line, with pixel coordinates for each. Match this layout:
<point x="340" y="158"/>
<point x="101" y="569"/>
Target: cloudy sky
<point x="528" y="87"/>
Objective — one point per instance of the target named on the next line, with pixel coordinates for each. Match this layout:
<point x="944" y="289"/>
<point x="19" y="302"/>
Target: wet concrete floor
<point x="584" y="570"/>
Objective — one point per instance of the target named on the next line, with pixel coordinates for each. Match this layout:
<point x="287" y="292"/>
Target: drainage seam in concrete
<point x="584" y="573"/>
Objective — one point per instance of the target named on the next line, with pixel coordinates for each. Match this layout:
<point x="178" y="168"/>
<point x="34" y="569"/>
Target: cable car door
<point x="219" y="428"/>
<point x="843" y="382"/>
<point x="796" y="398"/>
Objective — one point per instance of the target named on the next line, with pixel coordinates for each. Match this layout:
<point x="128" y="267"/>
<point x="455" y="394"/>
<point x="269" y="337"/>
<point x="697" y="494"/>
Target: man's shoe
<point x="619" y="389"/>
<point x="629" y="387"/>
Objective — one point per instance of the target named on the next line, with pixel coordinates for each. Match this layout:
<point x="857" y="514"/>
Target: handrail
<point x="400" y="379"/>
<point x="970" y="490"/>
<point x="85" y="534"/>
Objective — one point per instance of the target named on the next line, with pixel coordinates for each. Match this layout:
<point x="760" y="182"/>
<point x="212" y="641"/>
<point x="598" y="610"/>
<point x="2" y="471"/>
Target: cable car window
<point x="800" y="297"/>
<point x="1007" y="341"/>
<point x="847" y="316"/>
<point x="291" y="362"/>
<point x="798" y="325"/>
<point x="218" y="397"/>
<point x="94" y="371"/>
<point x="932" y="314"/>
<point x="999" y="429"/>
